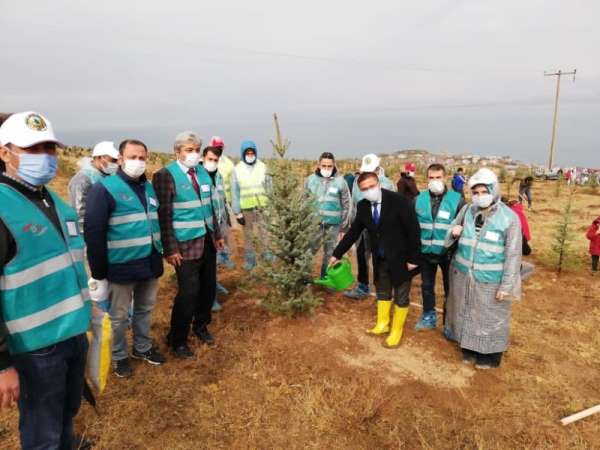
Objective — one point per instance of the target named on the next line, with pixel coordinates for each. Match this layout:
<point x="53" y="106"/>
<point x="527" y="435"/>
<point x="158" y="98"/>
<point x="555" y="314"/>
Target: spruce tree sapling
<point x="562" y="233"/>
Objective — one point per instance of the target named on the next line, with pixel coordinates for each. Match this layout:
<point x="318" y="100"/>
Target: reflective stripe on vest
<point x="328" y="197"/>
<point x="132" y="231"/>
<point x="252" y="185"/>
<point x="433" y="231"/>
<point x="43" y="289"/>
<point x="191" y="215"/>
<point x="483" y="253"/>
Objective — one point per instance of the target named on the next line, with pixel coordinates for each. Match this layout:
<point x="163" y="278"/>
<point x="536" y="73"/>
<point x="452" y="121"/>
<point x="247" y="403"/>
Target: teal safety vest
<point x="483" y="253"/>
<point x="93" y="174"/>
<point x="384" y="181"/>
<point x="433" y="230"/>
<point x="191" y="215"/>
<point x="328" y="197"/>
<point x="132" y="231"/>
<point x="43" y="290"/>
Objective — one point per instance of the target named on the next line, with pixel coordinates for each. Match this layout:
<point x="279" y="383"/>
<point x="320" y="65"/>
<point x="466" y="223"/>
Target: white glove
<point x="99" y="289"/>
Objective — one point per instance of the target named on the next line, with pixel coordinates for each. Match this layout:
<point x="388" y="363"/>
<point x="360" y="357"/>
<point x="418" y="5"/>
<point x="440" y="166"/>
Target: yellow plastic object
<point x="100" y="350"/>
<point x="383" y="317"/>
<point x="395" y="336"/>
<point x="338" y="277"/>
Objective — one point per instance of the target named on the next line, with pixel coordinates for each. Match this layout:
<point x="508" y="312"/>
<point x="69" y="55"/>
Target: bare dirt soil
<point x="320" y="382"/>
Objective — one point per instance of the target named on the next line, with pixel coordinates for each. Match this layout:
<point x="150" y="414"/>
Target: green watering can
<point x="338" y="277"/>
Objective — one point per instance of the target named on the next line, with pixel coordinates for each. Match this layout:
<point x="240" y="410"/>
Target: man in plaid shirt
<point x="190" y="235"/>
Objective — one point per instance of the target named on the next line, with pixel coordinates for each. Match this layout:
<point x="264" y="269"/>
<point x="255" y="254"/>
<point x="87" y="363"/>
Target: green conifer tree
<point x="291" y="223"/>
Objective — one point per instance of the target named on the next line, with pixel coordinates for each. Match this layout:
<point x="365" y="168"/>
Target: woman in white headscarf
<point x="485" y="273"/>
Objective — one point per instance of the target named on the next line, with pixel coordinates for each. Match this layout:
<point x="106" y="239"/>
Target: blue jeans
<point x="429" y="268"/>
<point x="51" y="380"/>
<point x="144" y="299"/>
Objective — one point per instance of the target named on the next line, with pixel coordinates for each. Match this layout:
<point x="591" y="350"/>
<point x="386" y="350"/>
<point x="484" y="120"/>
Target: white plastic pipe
<point x="580" y="415"/>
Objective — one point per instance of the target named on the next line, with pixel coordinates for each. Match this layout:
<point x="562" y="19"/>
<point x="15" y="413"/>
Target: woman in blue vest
<point x="485" y="273"/>
<point x="332" y="200"/>
<point x="44" y="300"/>
<point x="191" y="237"/>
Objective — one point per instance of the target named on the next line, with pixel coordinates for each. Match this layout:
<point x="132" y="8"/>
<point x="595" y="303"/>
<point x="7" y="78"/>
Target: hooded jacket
<point x="594" y="237"/>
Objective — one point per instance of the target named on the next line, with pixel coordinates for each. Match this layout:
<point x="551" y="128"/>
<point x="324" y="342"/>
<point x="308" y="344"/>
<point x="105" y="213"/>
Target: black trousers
<point x="595" y="259"/>
<point x="385" y="287"/>
<point x="362" y="261"/>
<point x="196" y="290"/>
<point x="494" y="359"/>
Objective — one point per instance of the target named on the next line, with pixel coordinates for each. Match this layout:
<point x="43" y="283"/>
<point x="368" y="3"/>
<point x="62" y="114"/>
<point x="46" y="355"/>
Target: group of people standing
<point x="122" y="226"/>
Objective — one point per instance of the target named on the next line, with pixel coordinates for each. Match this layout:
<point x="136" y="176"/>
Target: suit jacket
<point x="398" y="234"/>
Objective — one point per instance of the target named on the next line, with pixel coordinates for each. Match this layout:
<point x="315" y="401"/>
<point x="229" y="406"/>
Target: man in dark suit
<point x="391" y="222"/>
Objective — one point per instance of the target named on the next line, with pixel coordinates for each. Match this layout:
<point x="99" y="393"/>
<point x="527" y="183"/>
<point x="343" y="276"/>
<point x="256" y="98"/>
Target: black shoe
<point x="183" y="352"/>
<point x="202" y="333"/>
<point x="152" y="356"/>
<point x="122" y="368"/>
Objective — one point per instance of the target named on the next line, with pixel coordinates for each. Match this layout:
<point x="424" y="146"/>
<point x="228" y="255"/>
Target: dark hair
<point x="3" y="117"/>
<point x="215" y="150"/>
<point x="460" y="169"/>
<point x="435" y="167"/>
<point x="327" y="155"/>
<point x="365" y="176"/>
<point x="124" y="143"/>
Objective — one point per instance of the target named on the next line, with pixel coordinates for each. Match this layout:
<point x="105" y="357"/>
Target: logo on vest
<point x="36" y="230"/>
<point x="185" y="187"/>
<point x="125" y="196"/>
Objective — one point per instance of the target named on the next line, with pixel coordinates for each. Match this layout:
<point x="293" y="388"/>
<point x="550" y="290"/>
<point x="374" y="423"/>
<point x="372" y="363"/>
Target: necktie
<point x="195" y="184"/>
<point x="376" y="213"/>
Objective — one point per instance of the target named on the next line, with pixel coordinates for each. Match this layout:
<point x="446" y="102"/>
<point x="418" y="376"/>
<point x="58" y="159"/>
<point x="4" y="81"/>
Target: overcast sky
<point x="345" y="76"/>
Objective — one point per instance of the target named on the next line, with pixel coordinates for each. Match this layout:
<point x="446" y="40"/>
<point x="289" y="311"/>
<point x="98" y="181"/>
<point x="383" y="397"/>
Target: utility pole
<point x="552" y="142"/>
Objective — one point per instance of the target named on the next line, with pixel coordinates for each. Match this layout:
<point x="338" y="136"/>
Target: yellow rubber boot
<point x="383" y="317"/>
<point x="393" y="339"/>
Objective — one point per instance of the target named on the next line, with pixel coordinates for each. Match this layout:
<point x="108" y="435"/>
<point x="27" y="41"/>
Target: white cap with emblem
<point x="26" y="129"/>
<point x="370" y="163"/>
<point x="105" y="148"/>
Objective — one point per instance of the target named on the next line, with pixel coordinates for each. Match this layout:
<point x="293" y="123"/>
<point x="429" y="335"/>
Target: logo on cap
<point x="35" y="122"/>
<point x="368" y="160"/>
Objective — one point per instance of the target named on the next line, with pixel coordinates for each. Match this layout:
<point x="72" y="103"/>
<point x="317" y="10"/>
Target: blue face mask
<point x="37" y="169"/>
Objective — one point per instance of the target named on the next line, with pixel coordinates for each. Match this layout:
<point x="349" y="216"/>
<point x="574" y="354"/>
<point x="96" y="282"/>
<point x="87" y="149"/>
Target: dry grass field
<point x="319" y="382"/>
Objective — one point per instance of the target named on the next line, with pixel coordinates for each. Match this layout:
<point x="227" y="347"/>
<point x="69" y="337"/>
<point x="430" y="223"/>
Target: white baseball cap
<point x="370" y="163"/>
<point x="26" y="129"/>
<point x="105" y="148"/>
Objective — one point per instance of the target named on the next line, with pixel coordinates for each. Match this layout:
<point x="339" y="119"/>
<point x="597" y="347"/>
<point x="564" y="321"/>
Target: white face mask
<point x="436" y="187"/>
<point x="483" y="200"/>
<point x="211" y="166"/>
<point x="111" y="168"/>
<point x="250" y="159"/>
<point x="373" y="194"/>
<point x="135" y="168"/>
<point x="326" y="172"/>
<point x="191" y="160"/>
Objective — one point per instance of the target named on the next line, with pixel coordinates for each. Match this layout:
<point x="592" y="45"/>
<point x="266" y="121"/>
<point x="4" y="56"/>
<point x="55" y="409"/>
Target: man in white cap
<point x="103" y="163"/>
<point x="44" y="301"/>
<point x="370" y="163"/>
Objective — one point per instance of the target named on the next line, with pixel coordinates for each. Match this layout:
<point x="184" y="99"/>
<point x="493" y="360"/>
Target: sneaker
<point x="428" y="321"/>
<point x="203" y="334"/>
<point x="223" y="260"/>
<point x="122" y="368"/>
<point x="484" y="366"/>
<point x="221" y="289"/>
<point x="357" y="293"/>
<point x="249" y="262"/>
<point x="152" y="356"/>
<point x="183" y="352"/>
<point x="216" y="307"/>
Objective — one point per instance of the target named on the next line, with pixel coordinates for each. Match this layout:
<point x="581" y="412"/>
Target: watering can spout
<point x="327" y="282"/>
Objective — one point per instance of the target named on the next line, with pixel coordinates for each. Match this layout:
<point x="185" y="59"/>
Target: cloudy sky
<point x="345" y="76"/>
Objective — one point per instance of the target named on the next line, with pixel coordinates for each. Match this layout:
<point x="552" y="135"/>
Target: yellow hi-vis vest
<point x="226" y="166"/>
<point x="252" y="184"/>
